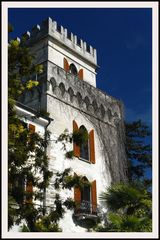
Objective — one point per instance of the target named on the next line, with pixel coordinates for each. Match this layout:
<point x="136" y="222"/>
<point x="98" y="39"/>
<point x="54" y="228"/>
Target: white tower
<point x="68" y="92"/>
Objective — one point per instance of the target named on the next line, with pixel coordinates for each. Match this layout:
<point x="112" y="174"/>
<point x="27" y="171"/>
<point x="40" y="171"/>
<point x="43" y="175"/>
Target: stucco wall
<point x="63" y="118"/>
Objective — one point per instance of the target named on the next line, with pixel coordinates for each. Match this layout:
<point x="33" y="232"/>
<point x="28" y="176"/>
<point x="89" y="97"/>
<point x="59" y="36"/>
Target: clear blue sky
<point x="122" y="38"/>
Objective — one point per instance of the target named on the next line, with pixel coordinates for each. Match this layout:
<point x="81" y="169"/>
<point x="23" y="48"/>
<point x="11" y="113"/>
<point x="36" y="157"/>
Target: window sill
<point x="84" y="160"/>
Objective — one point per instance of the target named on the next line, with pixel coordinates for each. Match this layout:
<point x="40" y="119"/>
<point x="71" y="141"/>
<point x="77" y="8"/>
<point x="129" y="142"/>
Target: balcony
<point x="86" y="213"/>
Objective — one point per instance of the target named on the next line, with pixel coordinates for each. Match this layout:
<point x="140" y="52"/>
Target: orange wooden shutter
<point x="77" y="195"/>
<point x="80" y="74"/>
<point x="77" y="198"/>
<point x="66" y="65"/>
<point x="76" y="148"/>
<point x="31" y="128"/>
<point x="92" y="148"/>
<point x="29" y="189"/>
<point x="94" y="196"/>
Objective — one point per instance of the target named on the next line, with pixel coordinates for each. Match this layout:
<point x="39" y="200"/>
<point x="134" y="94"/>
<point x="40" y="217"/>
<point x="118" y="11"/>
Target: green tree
<point x="129" y="208"/>
<point x="27" y="153"/>
<point x="129" y="205"/>
<point x="23" y="146"/>
<point x="138" y="152"/>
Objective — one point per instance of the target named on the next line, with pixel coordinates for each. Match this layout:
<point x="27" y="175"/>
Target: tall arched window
<point x="84" y="148"/>
<point x="86" y="197"/>
<point x="86" y="192"/>
<point x="85" y="151"/>
<point x="73" y="69"/>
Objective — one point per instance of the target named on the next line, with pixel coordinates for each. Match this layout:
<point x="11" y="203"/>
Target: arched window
<point x="73" y="69"/>
<point x="84" y="148"/>
<point x="86" y="197"/>
<point x="86" y="192"/>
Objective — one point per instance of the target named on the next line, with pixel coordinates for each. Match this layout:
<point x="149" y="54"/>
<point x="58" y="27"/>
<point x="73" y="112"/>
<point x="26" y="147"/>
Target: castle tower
<point x="68" y="92"/>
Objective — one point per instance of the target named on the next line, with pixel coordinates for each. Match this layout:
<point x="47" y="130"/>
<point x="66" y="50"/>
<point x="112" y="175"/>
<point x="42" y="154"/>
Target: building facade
<point x="68" y="92"/>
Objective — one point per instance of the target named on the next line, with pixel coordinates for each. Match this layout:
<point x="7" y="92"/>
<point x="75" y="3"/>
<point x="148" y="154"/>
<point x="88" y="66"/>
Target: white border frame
<point x="4" y="17"/>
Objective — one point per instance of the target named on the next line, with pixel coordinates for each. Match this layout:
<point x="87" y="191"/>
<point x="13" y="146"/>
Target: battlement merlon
<point x="61" y="35"/>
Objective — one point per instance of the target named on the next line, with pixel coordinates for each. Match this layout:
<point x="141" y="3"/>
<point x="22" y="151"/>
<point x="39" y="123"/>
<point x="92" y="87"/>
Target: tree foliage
<point x="130" y="205"/>
<point x="138" y="152"/>
<point x="27" y="159"/>
<point x="26" y="151"/>
<point x="129" y="208"/>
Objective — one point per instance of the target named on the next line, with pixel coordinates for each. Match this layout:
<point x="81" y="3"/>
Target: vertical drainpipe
<point x="44" y="190"/>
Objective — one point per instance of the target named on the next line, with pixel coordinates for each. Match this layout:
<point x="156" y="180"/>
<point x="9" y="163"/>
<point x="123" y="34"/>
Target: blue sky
<point x="123" y="39"/>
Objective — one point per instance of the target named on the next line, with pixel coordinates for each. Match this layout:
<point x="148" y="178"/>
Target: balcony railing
<point x="86" y="214"/>
<point x="86" y="207"/>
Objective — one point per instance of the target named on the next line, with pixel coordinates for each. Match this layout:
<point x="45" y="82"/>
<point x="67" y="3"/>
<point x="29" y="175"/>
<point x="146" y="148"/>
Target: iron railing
<point x="86" y="207"/>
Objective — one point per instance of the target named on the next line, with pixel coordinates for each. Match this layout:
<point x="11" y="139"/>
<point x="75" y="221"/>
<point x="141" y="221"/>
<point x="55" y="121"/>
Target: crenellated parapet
<point x="77" y="93"/>
<point x="83" y="96"/>
<point x="57" y="33"/>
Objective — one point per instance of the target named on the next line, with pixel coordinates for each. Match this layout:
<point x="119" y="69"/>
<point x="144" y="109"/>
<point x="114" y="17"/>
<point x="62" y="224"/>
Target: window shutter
<point x="76" y="148"/>
<point x="31" y="128"/>
<point x="77" y="198"/>
<point x="77" y="195"/>
<point x="29" y="189"/>
<point x="80" y="74"/>
<point x="66" y="65"/>
<point x="92" y="148"/>
<point x="29" y="185"/>
<point x="94" y="196"/>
